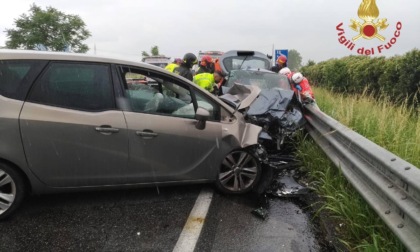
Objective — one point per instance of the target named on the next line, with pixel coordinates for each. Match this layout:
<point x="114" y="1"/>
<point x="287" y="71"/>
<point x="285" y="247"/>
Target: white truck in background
<point x="213" y="54"/>
<point x="159" y="60"/>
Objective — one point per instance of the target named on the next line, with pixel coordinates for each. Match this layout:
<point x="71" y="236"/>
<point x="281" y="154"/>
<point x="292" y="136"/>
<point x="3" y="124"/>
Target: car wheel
<point x="12" y="190"/>
<point x="239" y="172"/>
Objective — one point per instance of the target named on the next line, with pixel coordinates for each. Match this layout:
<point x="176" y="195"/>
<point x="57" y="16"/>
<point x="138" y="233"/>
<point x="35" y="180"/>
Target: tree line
<point x="397" y="77"/>
<point x="48" y="29"/>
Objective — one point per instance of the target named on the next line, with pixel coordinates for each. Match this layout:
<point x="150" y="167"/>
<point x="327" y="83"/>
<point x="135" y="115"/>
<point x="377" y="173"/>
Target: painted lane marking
<point x="192" y="229"/>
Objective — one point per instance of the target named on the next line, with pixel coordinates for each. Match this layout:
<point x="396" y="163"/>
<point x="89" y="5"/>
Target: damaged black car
<point x="264" y="97"/>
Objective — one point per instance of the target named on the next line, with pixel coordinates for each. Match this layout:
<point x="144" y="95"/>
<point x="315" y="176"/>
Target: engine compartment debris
<point x="282" y="180"/>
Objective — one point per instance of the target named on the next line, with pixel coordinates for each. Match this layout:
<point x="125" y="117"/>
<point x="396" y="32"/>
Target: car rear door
<point x="72" y="133"/>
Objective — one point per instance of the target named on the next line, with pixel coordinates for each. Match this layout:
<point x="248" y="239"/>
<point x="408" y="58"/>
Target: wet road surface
<point x="230" y="226"/>
<point x="147" y="220"/>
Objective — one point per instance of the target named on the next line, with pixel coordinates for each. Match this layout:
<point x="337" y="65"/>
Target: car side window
<point x="157" y="94"/>
<point x="81" y="86"/>
<point x="16" y="77"/>
<point x="209" y="105"/>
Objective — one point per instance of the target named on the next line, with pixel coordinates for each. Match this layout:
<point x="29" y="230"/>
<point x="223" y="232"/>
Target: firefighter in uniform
<point x="281" y="62"/>
<point x="206" y="65"/>
<point x="205" y="81"/>
<point x="185" y="68"/>
<point x="177" y="62"/>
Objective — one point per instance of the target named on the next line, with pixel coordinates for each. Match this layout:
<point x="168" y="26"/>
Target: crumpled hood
<point x="259" y="101"/>
<point x="241" y="96"/>
<point x="272" y="101"/>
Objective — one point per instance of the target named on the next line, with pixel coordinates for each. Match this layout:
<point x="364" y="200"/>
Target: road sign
<point x="278" y="52"/>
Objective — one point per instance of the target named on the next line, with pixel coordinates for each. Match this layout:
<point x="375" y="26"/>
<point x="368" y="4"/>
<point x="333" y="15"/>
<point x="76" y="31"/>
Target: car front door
<point x="72" y="133"/>
<point x="164" y="143"/>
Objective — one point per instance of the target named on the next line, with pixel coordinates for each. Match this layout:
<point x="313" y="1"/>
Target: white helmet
<point x="297" y="78"/>
<point x="285" y="71"/>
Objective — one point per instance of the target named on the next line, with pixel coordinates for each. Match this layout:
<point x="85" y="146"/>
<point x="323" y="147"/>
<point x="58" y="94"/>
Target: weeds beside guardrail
<point x="389" y="184"/>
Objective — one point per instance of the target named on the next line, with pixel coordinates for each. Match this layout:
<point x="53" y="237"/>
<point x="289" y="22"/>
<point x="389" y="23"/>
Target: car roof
<point x="14" y="54"/>
<point x="233" y="53"/>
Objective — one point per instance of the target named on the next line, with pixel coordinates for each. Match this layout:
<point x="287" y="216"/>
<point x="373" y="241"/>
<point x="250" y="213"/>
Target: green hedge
<point x="397" y="77"/>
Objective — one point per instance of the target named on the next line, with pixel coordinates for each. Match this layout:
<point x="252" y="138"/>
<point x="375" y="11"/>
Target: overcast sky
<point x="124" y="28"/>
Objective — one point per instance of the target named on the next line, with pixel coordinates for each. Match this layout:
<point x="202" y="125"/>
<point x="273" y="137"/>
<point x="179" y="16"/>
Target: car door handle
<point x="146" y="134"/>
<point x="106" y="129"/>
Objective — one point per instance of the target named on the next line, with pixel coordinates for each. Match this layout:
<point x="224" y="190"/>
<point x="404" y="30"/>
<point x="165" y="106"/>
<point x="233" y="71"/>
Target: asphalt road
<point x="149" y="219"/>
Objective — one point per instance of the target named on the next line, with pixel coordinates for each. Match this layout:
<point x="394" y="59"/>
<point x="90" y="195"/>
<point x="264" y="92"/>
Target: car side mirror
<point x="201" y="116"/>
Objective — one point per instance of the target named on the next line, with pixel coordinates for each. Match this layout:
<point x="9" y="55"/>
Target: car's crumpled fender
<point x="250" y="135"/>
<point x="246" y="134"/>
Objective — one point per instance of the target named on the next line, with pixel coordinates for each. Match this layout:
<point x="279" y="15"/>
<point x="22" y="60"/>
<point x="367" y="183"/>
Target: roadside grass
<point x="395" y="128"/>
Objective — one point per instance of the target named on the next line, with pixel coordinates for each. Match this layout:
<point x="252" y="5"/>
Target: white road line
<point x="192" y="229"/>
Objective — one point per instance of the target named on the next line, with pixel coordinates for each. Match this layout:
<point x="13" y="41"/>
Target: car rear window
<point x="245" y="62"/>
<point x="16" y="77"/>
<point x="80" y="86"/>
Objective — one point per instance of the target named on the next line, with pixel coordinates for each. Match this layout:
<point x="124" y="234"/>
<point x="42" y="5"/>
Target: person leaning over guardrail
<point x="299" y="84"/>
<point x="299" y="81"/>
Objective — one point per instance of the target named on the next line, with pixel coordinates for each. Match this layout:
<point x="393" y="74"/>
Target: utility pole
<point x="273" y="56"/>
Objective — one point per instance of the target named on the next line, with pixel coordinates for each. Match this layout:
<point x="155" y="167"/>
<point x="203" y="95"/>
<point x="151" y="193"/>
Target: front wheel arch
<point x="28" y="184"/>
<point x="13" y="189"/>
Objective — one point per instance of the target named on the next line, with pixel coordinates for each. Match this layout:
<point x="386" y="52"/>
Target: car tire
<point x="12" y="190"/>
<point x="239" y="172"/>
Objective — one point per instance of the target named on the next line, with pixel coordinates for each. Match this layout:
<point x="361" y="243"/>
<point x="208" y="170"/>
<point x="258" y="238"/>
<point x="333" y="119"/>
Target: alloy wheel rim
<point x="7" y="191"/>
<point x="238" y="171"/>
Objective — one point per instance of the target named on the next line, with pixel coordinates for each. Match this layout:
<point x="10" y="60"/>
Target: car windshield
<point x="262" y="79"/>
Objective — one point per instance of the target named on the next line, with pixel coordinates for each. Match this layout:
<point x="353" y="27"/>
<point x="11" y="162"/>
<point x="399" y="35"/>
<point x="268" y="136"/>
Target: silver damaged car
<point x="71" y="122"/>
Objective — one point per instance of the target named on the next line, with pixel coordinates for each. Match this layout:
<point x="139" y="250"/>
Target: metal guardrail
<point x="388" y="183"/>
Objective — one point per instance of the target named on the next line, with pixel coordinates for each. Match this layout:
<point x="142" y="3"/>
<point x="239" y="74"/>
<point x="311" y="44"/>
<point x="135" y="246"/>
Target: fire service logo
<point x="368" y="29"/>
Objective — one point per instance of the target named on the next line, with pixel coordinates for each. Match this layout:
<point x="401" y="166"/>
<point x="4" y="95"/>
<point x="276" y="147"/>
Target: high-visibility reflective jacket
<point x="304" y="85"/>
<point x="217" y="66"/>
<point x="204" y="80"/>
<point x="306" y="89"/>
<point x="171" y="67"/>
